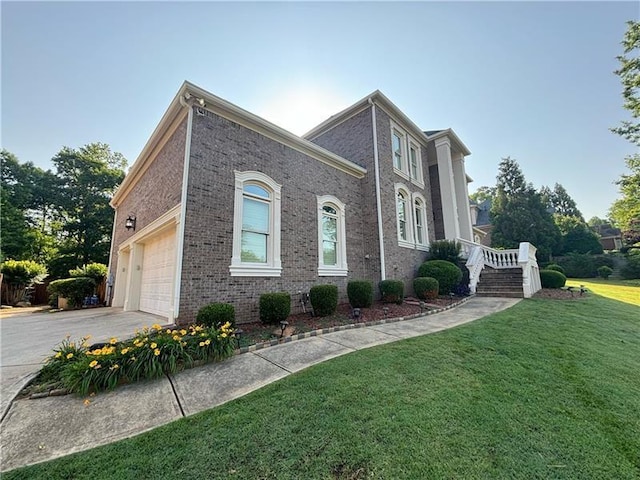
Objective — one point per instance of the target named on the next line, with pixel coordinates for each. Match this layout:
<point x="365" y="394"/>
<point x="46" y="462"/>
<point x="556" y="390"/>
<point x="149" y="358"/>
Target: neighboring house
<point x="610" y="237"/>
<point x="481" y="222"/>
<point x="222" y="205"/>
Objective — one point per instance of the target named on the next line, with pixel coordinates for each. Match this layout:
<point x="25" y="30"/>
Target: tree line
<point x="60" y="218"/>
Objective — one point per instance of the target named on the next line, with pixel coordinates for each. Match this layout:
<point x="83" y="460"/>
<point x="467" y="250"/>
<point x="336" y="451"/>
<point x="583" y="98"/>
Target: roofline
<point x="219" y="106"/>
<point x="449" y="133"/>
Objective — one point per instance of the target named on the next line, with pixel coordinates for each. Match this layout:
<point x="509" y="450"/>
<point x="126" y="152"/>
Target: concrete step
<point x="501" y="281"/>
<point x="499" y="288"/>
<point x="501" y="294"/>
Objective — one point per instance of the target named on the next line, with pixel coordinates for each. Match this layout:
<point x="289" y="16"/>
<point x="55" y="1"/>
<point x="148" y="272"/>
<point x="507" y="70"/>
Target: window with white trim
<point x="403" y="216"/>
<point x="332" y="247"/>
<point x="420" y="221"/>
<point x="398" y="149"/>
<point x="415" y="163"/>
<point x="256" y="226"/>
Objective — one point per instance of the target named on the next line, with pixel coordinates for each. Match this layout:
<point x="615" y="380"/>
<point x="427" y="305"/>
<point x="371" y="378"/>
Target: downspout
<point x="376" y="162"/>
<point x="183" y="207"/>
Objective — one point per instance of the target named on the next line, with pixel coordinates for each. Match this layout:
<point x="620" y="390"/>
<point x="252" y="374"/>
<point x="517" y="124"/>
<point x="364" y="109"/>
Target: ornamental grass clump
<point x="151" y="353"/>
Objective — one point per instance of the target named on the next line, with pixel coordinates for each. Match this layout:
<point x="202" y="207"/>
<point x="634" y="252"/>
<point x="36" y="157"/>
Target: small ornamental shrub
<point x="392" y="291"/>
<point x="274" y="307"/>
<point x="216" y="314"/>
<point x="360" y="293"/>
<point x="632" y="269"/>
<point x="324" y="299"/>
<point x="604" y="271"/>
<point x="18" y="275"/>
<point x="73" y="289"/>
<point x="579" y="265"/>
<point x="552" y="279"/>
<point x="426" y="288"/>
<point x="555" y="267"/>
<point x="97" y="271"/>
<point x="447" y="274"/>
<point x="447" y="250"/>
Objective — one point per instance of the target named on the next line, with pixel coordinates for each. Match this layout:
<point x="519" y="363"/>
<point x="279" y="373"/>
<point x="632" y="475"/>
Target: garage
<point x="158" y="271"/>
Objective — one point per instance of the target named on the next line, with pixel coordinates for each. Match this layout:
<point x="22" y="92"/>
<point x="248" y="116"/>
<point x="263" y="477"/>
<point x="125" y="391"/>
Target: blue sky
<point x="533" y="81"/>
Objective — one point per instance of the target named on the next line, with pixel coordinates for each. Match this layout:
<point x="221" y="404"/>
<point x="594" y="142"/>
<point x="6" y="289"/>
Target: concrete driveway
<point x="26" y="339"/>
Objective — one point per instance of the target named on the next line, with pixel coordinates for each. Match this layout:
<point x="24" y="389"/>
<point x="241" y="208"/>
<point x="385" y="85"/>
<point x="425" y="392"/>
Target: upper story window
<point x="332" y="249"/>
<point x="407" y="158"/>
<point x="256" y="226"/>
<point x="420" y="221"/>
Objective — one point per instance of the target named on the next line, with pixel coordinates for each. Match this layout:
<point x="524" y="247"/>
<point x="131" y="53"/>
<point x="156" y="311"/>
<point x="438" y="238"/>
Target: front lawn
<point x="546" y="389"/>
<point x="624" y="290"/>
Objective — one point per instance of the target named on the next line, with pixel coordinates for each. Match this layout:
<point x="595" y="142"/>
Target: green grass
<point x="546" y="389"/>
<point x="624" y="290"/>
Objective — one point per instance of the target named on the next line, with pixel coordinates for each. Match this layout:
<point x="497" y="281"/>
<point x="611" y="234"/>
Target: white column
<point x="462" y="198"/>
<point x="447" y="189"/>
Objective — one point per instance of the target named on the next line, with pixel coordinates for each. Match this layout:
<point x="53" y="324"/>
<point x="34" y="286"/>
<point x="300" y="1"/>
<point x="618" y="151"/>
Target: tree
<point x="576" y="235"/>
<point x="625" y="212"/>
<point x="560" y="201"/>
<point x="483" y="193"/>
<point x="597" y="222"/>
<point x="519" y="215"/>
<point x="89" y="177"/>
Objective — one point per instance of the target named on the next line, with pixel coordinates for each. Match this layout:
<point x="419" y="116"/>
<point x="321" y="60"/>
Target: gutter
<point x="376" y="160"/>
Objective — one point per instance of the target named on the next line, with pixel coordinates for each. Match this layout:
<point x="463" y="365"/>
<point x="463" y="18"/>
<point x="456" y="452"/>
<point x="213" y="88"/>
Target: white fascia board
<point x="450" y="134"/>
<point x="247" y="119"/>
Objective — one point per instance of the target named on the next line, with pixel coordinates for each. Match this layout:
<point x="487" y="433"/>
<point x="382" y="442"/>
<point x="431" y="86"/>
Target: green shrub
<point x="552" y="279"/>
<point x="447" y="274"/>
<point x="360" y="293"/>
<point x="632" y="269"/>
<point x="17" y="276"/>
<point x="324" y="299"/>
<point x="555" y="267"/>
<point x="73" y="289"/>
<point x="392" y="291"/>
<point x="97" y="271"/>
<point x="447" y="250"/>
<point x="426" y="288"/>
<point x="216" y="315"/>
<point x="604" y="271"/>
<point x="579" y="265"/>
<point x="274" y="307"/>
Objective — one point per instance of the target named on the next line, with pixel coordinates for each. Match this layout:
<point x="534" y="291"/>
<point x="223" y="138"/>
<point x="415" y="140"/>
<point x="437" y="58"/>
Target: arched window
<point x="256" y="226"/>
<point x="403" y="216"/>
<point x="332" y="249"/>
<point x="420" y="221"/>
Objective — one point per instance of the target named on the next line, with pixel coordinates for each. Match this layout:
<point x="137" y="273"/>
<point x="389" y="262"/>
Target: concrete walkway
<point x="37" y="430"/>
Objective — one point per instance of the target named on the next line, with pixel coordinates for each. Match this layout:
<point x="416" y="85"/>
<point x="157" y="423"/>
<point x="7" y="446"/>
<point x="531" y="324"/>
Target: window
<point x="415" y="160"/>
<point x="407" y="158"/>
<point x="332" y="251"/>
<point x="256" y="226"/>
<point x="397" y="145"/>
<point x="403" y="216"/>
<point x="420" y="221"/>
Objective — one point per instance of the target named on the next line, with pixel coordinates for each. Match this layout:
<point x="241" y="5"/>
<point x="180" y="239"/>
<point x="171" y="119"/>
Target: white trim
<point x="404" y="242"/>
<point x="273" y="267"/>
<point x="425" y="228"/>
<point x="183" y="214"/>
<point x="419" y="179"/>
<point x="168" y="219"/>
<point x="376" y="162"/>
<point x="340" y="269"/>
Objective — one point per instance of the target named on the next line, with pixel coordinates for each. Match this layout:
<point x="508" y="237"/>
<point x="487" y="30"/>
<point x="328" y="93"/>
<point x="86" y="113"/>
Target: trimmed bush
<point x="274" y="307"/>
<point x="360" y="293"/>
<point x="447" y="274"/>
<point x="216" y="315"/>
<point x="555" y="267"/>
<point x="73" y="289"/>
<point x="632" y="269"/>
<point x="426" y="288"/>
<point x="392" y="291"/>
<point x="447" y="250"/>
<point x="552" y="279"/>
<point x="604" y="272"/>
<point x="18" y="275"/>
<point x="324" y="299"/>
<point x="97" y="271"/>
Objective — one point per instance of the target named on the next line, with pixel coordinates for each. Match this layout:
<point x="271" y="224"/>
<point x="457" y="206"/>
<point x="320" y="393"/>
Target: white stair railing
<point x="478" y="256"/>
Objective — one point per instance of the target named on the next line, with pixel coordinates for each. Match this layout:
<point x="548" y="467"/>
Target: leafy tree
<point x="625" y="212"/>
<point x="560" y="200"/>
<point x="483" y="193"/>
<point x="519" y="214"/>
<point x="576" y="235"/>
<point x="597" y="222"/>
<point x="89" y="177"/>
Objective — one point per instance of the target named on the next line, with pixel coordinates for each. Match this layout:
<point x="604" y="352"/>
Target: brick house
<point x="222" y="205"/>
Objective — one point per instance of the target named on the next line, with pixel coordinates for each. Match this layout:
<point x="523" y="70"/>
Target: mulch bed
<point x="560" y="294"/>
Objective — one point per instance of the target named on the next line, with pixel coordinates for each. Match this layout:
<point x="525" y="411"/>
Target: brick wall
<point x="218" y="147"/>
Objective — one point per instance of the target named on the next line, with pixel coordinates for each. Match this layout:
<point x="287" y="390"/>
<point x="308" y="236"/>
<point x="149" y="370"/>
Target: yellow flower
<point x="137" y="344"/>
<point x="201" y="344"/>
<point x="114" y="367"/>
<point x="85" y="344"/>
<point x="176" y="338"/>
<point x="183" y="332"/>
<point x="224" y="335"/>
<point x="207" y="341"/>
<point x="203" y="334"/>
<point x="156" y="352"/>
<point x="87" y="402"/>
<point x="226" y="325"/>
<point x="93" y="364"/>
<point x="169" y="331"/>
<point x="113" y="340"/>
<point x="153" y="345"/>
<point x="133" y="359"/>
<point x="58" y="355"/>
<point x="69" y="355"/>
<point x="198" y="328"/>
<point x="124" y="351"/>
<point x="156" y="326"/>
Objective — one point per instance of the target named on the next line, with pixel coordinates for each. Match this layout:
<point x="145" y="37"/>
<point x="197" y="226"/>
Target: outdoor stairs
<point x="503" y="282"/>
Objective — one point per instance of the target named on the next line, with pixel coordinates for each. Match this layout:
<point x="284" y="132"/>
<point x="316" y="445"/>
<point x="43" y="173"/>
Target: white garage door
<point x="158" y="261"/>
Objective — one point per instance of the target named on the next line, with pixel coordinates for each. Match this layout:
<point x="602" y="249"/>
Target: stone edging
<point x="300" y="336"/>
<point x="322" y="331"/>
